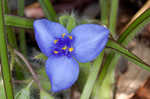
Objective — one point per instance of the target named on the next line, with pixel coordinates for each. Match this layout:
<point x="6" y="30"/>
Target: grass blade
<point x="113" y="16"/>
<point x="112" y="26"/>
<point x="139" y="12"/>
<point x="48" y="9"/>
<point x="4" y="58"/>
<point x="92" y="77"/>
<point x="105" y="90"/>
<point x="10" y="32"/>
<point x="104" y="11"/>
<point x="133" y="28"/>
<point x="17" y="21"/>
<point x="83" y="75"/>
<point x="22" y="38"/>
<point x="130" y="56"/>
<point x="130" y="32"/>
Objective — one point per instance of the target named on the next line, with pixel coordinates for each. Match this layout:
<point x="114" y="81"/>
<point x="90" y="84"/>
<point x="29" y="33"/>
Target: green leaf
<point x="127" y="35"/>
<point x="6" y="74"/>
<point x="22" y="36"/>
<point x="48" y="9"/>
<point x="130" y="56"/>
<point x="104" y="90"/>
<point x="20" y="4"/>
<point x="113" y="16"/>
<point x="10" y="32"/>
<point x="135" y="27"/>
<point x="83" y="75"/>
<point x="104" y="7"/>
<point x="106" y="73"/>
<point x="67" y="21"/>
<point x="11" y="37"/>
<point x="24" y="93"/>
<point x="111" y="61"/>
<point x="41" y="56"/>
<point x="45" y="95"/>
<point x="92" y="77"/>
<point x="17" y="21"/>
<point x="130" y="32"/>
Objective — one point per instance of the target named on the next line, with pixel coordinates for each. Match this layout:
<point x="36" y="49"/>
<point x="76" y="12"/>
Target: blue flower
<point x="83" y="44"/>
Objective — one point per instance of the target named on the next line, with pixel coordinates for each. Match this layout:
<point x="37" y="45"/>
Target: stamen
<point x="71" y="49"/>
<point x="70" y="37"/>
<point x="63" y="35"/>
<point x="64" y="48"/>
<point x="63" y="45"/>
<point x="56" y="52"/>
<point x="55" y="41"/>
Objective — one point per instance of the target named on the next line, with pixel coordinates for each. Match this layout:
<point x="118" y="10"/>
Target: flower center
<point x="62" y="45"/>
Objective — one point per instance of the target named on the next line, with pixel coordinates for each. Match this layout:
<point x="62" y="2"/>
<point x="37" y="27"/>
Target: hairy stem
<point x="34" y="75"/>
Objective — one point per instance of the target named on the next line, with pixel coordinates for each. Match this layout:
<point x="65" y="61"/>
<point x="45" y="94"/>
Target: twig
<point x="35" y="78"/>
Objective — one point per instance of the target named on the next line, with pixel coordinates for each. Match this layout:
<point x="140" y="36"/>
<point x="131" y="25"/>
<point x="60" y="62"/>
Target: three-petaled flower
<point x="83" y="44"/>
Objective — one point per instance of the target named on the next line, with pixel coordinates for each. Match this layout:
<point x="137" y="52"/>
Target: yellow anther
<point x="64" y="48"/>
<point x="70" y="37"/>
<point x="63" y="35"/>
<point x="55" y="41"/>
<point x="71" y="49"/>
<point x="56" y="52"/>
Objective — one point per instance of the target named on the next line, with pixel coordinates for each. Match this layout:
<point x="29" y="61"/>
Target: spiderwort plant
<point x="64" y="49"/>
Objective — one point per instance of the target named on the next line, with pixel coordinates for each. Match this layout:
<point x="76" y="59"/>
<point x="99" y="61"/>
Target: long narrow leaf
<point x="130" y="56"/>
<point x="17" y="21"/>
<point x="113" y="16"/>
<point x="109" y="79"/>
<point x="135" y="27"/>
<point x="83" y="75"/>
<point x="92" y="77"/>
<point x="10" y="32"/>
<point x="104" y="91"/>
<point x="48" y="9"/>
<point x="104" y="7"/>
<point x="22" y="35"/>
<point x="4" y="58"/>
<point x="130" y="32"/>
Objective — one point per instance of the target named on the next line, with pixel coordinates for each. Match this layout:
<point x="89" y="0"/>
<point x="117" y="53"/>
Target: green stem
<point x="48" y="9"/>
<point x="10" y="32"/>
<point x="4" y="58"/>
<point x="106" y="78"/>
<point x="92" y="77"/>
<point x="113" y="16"/>
<point x="21" y="7"/>
<point x="22" y="36"/>
<point x="129" y="33"/>
<point x="104" y="7"/>
<point x="111" y="62"/>
<point x="104" y="90"/>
